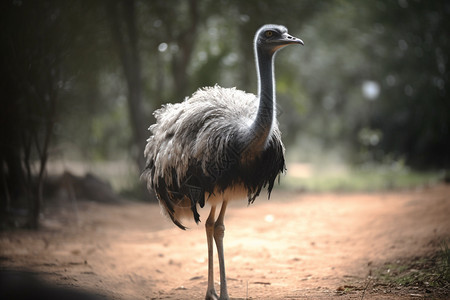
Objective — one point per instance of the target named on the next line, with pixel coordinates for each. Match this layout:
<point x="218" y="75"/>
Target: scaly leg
<point x="219" y="232"/>
<point x="209" y="226"/>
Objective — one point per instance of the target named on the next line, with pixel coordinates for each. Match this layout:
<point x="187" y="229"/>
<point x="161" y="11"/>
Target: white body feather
<point x="211" y="115"/>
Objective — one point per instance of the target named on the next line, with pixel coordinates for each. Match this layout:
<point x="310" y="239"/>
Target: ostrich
<point x="219" y="145"/>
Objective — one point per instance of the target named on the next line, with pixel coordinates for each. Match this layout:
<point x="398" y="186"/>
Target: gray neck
<point x="262" y="125"/>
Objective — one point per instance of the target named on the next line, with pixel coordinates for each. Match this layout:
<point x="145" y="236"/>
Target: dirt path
<point x="295" y="246"/>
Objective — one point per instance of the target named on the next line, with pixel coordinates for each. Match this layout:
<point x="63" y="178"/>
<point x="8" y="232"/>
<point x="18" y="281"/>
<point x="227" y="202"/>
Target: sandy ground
<point x="295" y="246"/>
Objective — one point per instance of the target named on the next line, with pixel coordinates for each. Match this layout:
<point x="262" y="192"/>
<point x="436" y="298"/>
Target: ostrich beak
<point x="285" y="40"/>
<point x="288" y="39"/>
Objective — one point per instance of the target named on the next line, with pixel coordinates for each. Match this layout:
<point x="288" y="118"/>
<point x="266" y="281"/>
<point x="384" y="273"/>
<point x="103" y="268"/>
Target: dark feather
<point x="255" y="174"/>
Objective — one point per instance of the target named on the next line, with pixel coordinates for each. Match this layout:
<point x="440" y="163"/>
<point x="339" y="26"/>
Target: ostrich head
<point x="271" y="38"/>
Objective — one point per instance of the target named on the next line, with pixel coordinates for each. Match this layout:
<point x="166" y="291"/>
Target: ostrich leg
<point x="209" y="226"/>
<point x="219" y="232"/>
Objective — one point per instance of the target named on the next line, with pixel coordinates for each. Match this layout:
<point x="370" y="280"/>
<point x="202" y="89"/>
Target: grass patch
<point x="372" y="178"/>
<point x="425" y="272"/>
<point x="444" y="266"/>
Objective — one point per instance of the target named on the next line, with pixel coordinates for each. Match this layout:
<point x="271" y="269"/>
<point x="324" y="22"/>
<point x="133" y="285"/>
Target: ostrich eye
<point x="268" y="33"/>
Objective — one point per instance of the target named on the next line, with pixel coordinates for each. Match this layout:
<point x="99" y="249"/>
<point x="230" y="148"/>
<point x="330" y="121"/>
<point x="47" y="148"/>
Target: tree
<point x="122" y="18"/>
<point x="400" y="49"/>
<point x="32" y="78"/>
<point x="411" y="64"/>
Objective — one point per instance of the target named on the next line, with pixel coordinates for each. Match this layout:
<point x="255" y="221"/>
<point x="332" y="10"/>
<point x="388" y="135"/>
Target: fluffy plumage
<point x="196" y="152"/>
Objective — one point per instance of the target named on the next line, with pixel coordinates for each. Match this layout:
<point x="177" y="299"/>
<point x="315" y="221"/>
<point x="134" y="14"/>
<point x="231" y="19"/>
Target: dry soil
<point x="293" y="246"/>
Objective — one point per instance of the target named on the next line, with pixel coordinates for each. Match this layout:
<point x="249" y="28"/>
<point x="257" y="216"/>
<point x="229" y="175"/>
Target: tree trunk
<point x="186" y="42"/>
<point x="122" y="18"/>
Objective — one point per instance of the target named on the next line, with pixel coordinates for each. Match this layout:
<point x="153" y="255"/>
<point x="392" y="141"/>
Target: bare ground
<point x="295" y="246"/>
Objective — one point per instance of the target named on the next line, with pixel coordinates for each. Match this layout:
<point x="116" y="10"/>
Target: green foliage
<point x="413" y="112"/>
<point x="399" y="48"/>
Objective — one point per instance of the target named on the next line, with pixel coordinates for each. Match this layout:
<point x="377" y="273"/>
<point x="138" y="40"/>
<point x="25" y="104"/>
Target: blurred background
<point x="364" y="105"/>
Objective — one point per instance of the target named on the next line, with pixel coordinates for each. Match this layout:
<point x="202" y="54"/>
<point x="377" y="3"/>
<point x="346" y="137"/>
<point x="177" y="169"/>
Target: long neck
<point x="262" y="125"/>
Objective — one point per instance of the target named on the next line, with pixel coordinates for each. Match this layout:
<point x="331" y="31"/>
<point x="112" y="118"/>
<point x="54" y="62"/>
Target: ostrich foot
<point x="211" y="295"/>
